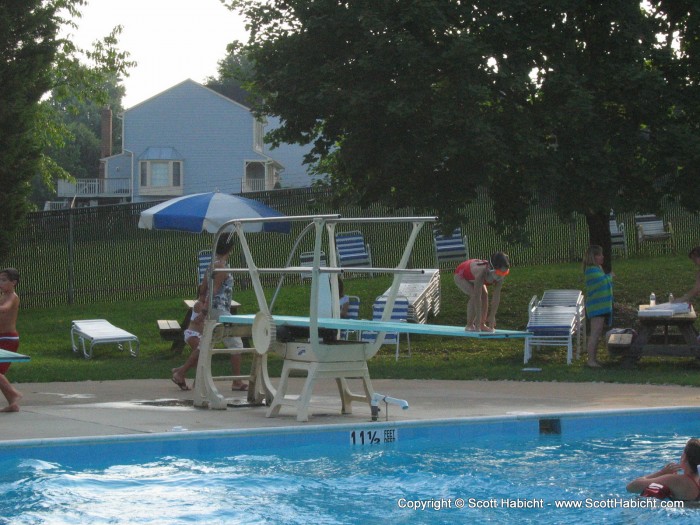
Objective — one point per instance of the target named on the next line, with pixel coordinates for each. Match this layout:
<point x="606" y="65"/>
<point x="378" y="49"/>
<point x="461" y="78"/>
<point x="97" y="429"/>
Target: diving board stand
<point x="308" y="343"/>
<point x="214" y="341"/>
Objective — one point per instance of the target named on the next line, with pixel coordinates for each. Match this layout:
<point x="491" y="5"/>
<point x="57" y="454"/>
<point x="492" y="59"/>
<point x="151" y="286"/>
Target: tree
<point x="424" y="101"/>
<point x="76" y="146"/>
<point x="393" y="91"/>
<point x="607" y="98"/>
<point x="33" y="63"/>
<point x="233" y="72"/>
<point x="682" y="18"/>
<point x="27" y="50"/>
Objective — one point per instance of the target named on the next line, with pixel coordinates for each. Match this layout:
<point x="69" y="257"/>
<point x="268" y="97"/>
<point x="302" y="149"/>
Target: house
<point x="190" y="139"/>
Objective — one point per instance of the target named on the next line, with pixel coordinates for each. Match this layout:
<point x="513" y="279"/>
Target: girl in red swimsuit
<point x="472" y="277"/>
<point x="678" y="481"/>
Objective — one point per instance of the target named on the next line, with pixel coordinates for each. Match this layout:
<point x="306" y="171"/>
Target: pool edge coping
<point x="175" y="434"/>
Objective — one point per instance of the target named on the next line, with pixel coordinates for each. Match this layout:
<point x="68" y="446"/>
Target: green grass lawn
<point x="45" y="333"/>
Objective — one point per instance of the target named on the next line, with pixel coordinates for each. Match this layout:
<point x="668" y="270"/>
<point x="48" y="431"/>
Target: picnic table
<point x="663" y="331"/>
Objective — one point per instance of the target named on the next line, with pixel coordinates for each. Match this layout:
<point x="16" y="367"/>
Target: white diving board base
<point x="12" y="357"/>
<point x="379" y="326"/>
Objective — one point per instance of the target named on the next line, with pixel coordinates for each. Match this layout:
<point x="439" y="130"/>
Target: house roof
<point x="160" y="153"/>
<point x="188" y="81"/>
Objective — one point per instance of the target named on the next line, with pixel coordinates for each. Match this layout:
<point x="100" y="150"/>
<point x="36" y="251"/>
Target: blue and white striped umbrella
<point x="207" y="212"/>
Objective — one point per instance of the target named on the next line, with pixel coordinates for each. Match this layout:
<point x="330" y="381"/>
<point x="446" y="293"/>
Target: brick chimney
<point x="106" y="137"/>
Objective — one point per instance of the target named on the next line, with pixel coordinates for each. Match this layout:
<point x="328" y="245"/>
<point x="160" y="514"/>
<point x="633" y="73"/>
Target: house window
<point x="161" y="177"/>
<point x="176" y="174"/>
<point x="160" y="174"/>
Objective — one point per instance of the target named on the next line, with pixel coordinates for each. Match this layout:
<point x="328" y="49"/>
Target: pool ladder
<point x="377" y="397"/>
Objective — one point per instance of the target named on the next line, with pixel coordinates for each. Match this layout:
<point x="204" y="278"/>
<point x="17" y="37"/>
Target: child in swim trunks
<point x="9" y="338"/>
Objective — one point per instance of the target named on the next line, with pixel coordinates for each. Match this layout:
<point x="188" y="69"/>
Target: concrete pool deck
<point x="91" y="408"/>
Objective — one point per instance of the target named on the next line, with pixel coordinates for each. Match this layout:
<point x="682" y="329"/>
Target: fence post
<point x="71" y="270"/>
<point x="572" y="238"/>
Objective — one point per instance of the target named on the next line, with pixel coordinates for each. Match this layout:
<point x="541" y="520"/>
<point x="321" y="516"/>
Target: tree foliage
<point x="234" y="72"/>
<point x="43" y="76"/>
<point x="584" y="106"/>
<point x="27" y="50"/>
<point x="73" y="148"/>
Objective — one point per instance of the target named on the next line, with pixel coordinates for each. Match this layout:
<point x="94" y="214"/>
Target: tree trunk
<point x="599" y="233"/>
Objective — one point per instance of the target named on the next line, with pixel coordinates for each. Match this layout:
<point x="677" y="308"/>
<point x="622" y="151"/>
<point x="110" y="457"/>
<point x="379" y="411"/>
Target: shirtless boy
<point x="9" y="338"/>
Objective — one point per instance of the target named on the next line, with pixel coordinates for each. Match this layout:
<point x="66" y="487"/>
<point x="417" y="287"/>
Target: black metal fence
<point x="98" y="254"/>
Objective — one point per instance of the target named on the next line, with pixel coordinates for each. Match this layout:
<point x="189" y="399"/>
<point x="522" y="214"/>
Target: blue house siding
<point x="119" y="166"/>
<point x="213" y="134"/>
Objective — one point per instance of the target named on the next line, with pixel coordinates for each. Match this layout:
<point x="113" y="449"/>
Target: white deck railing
<point x="116" y="187"/>
<point x="249" y="185"/>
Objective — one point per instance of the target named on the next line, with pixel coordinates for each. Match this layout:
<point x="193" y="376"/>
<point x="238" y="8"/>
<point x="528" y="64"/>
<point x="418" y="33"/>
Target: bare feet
<point x="470" y="328"/>
<point x="13" y="401"/>
<point x="179" y="380"/>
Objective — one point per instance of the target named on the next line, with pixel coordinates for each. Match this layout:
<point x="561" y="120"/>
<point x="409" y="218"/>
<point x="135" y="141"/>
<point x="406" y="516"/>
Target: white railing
<point x="55" y="205"/>
<point x="248" y="185"/>
<point x="116" y="187"/>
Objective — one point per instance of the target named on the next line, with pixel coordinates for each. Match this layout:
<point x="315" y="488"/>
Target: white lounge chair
<point x="652" y="229"/>
<point x="423" y="294"/>
<point x="352" y="250"/>
<point x="618" y="238"/>
<point x="203" y="264"/>
<point x="552" y="326"/>
<point x="353" y="313"/>
<point x="569" y="298"/>
<point x="398" y="313"/>
<point x="307" y="259"/>
<point x="100" y="331"/>
<point x="451" y="247"/>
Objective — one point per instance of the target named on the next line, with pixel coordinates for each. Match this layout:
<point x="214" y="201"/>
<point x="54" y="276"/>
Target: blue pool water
<point x="489" y="470"/>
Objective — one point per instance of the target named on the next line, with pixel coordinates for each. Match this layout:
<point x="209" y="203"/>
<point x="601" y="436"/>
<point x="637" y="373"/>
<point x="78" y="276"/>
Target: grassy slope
<point x="45" y="333"/>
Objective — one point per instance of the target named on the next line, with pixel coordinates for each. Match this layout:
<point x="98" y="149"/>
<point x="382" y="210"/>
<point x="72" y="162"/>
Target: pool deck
<point x="83" y="409"/>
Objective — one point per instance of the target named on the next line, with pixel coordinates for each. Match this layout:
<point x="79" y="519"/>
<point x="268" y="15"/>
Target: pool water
<point x="474" y="473"/>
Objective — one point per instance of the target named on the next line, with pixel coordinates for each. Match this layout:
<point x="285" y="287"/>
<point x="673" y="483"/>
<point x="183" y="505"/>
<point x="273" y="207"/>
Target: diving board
<point x="12" y="357"/>
<point x="378" y="326"/>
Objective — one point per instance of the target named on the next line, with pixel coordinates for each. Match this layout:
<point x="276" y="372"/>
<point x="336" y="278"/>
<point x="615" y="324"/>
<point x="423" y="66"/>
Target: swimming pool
<point x="521" y="469"/>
